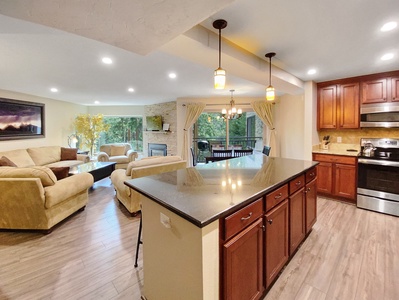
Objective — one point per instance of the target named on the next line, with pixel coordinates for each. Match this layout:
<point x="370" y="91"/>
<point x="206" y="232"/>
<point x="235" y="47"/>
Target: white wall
<point x="59" y="116"/>
<point x="289" y="119"/>
<point x="310" y="117"/>
<point x="135" y="111"/>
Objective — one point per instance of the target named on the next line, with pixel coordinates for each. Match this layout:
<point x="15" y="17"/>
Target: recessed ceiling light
<point x="389" y="26"/>
<point x="387" y="56"/>
<point x="96" y="102"/>
<point x="312" y="71"/>
<point x="172" y="75"/>
<point x="131" y="90"/>
<point x="107" y="60"/>
<point x="54" y="90"/>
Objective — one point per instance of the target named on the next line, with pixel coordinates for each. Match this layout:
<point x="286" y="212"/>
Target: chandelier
<point x="233" y="113"/>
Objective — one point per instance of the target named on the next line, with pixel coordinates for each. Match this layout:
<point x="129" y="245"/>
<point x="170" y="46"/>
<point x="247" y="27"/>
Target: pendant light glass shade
<point x="220" y="74"/>
<point x="270" y="91"/>
<point x="220" y="78"/>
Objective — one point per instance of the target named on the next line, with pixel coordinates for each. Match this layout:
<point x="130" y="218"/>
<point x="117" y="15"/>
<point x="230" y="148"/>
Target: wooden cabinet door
<point x="243" y="264"/>
<point x="374" y="91"/>
<point x="395" y="89"/>
<point x="327" y="107"/>
<point x="349" y="106"/>
<point x="324" y="177"/>
<point x="276" y="244"/>
<point x="311" y="205"/>
<point x="345" y="181"/>
<point x="297" y="219"/>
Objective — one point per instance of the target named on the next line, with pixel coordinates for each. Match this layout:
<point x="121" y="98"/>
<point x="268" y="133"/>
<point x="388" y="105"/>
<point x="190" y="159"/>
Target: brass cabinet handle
<point x="270" y="221"/>
<point x="298" y="183"/>
<point x="246" y="218"/>
<point x="278" y="196"/>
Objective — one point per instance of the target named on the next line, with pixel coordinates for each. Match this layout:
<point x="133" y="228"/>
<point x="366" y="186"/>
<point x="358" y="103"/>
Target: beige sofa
<point x="50" y="156"/>
<point x="144" y="167"/>
<point x="32" y="197"/>
<point x="120" y="153"/>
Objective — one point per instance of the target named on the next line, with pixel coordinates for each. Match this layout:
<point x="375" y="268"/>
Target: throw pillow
<point x="60" y="172"/>
<point x="69" y="153"/>
<point x="5" y="162"/>
<point x="117" y="150"/>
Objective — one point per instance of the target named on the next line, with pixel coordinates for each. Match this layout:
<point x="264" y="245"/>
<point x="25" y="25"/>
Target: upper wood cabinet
<point x="374" y="91"/>
<point x="380" y="90"/>
<point x="395" y="88"/>
<point x="338" y="106"/>
<point x="327" y="105"/>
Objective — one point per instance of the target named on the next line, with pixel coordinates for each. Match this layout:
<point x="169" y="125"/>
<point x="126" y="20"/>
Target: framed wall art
<point x="21" y="119"/>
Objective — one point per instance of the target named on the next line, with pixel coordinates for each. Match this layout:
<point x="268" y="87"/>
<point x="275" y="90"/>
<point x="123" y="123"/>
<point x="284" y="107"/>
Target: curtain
<point x="193" y="111"/>
<point x="265" y="112"/>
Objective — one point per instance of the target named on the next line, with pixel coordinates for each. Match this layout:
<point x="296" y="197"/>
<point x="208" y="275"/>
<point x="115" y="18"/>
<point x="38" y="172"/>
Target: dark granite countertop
<point x="205" y="193"/>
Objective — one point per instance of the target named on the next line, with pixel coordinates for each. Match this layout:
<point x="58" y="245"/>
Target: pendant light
<point x="233" y="113"/>
<point x="270" y="92"/>
<point x="220" y="74"/>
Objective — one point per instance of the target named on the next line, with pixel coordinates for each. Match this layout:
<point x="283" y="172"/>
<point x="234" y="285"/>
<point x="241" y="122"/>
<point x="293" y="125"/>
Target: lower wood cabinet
<point x="276" y="242"/>
<point x="297" y="219"/>
<point x="258" y="240"/>
<point x="337" y="176"/>
<point x="310" y="205"/>
<point x="243" y="264"/>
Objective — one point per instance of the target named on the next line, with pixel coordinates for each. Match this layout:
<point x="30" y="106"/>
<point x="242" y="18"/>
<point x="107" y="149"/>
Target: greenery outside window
<point x="124" y="130"/>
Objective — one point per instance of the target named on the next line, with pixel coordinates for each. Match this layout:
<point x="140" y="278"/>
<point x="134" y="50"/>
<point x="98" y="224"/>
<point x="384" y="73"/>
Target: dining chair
<point x="266" y="150"/>
<point x="241" y="152"/>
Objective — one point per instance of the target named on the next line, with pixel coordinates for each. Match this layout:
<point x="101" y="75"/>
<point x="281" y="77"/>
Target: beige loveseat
<point x="120" y="153"/>
<point x="50" y="156"/>
<point x="144" y="167"/>
<point x="32" y="197"/>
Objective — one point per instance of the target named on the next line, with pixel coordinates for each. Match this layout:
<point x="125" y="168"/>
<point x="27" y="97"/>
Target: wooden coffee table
<point x="99" y="170"/>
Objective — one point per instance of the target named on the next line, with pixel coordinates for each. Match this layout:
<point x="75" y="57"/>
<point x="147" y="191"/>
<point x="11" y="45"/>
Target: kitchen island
<point x="202" y="225"/>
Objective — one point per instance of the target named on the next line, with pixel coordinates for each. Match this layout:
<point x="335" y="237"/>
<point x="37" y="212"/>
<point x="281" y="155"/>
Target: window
<point x="210" y="127"/>
<point x="124" y="130"/>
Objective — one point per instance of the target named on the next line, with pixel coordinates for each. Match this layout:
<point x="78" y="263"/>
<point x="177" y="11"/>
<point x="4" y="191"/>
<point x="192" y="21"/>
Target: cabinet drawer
<point x="310" y="175"/>
<point x="349" y="160"/>
<point x="297" y="183"/>
<point x="276" y="197"/>
<point x="242" y="218"/>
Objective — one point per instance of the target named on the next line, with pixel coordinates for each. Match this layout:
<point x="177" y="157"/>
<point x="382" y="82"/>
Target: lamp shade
<point x="220" y="78"/>
<point x="270" y="93"/>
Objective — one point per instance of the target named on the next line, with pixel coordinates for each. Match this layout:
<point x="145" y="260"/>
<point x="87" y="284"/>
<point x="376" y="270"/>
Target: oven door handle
<point x="378" y="162"/>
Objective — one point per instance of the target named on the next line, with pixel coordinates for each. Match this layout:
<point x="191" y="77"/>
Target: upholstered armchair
<point x="121" y="153"/>
<point x="141" y="168"/>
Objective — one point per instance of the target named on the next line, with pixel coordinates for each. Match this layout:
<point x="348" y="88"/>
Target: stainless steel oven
<point x="378" y="176"/>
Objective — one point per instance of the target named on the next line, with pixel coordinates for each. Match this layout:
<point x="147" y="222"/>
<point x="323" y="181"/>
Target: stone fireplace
<point x="157" y="149"/>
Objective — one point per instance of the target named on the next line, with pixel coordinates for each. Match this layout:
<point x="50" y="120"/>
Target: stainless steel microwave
<point x="379" y="115"/>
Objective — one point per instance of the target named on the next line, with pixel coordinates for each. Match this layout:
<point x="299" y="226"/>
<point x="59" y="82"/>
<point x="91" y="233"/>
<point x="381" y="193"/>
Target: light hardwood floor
<point x="350" y="254"/>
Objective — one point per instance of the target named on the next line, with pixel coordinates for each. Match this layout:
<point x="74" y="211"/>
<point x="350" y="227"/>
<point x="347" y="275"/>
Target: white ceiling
<point x="46" y="44"/>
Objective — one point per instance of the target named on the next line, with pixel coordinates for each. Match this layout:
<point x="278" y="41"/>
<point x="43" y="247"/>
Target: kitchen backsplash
<point x="353" y="136"/>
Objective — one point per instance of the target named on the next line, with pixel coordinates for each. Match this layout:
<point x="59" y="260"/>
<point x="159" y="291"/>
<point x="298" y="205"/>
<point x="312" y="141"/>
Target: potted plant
<point x="88" y="128"/>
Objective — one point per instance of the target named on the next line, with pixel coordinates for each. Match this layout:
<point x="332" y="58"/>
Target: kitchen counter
<point x="203" y="194"/>
<point x="338" y="149"/>
<point x="182" y="213"/>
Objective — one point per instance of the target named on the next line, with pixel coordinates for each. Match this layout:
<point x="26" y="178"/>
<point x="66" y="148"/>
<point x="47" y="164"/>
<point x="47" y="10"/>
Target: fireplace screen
<point x="157" y="149"/>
